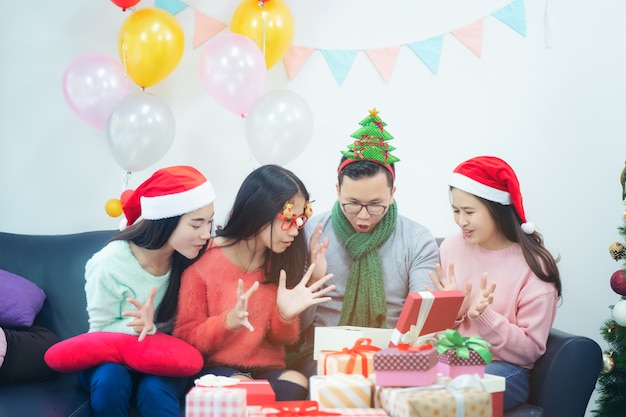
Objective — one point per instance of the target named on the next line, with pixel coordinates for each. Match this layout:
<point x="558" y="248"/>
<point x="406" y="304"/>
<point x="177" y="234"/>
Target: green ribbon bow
<point x="452" y="339"/>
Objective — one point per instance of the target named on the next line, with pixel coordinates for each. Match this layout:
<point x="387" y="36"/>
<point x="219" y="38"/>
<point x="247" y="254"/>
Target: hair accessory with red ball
<point x="493" y="179"/>
<point x="169" y="192"/>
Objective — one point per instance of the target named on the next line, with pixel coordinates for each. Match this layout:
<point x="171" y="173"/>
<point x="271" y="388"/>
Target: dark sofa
<point x="56" y="264"/>
<point x="562" y="380"/>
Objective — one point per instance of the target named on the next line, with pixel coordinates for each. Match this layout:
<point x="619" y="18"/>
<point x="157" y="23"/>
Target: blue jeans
<point x="284" y="390"/>
<point x="113" y="387"/>
<point x="517" y="382"/>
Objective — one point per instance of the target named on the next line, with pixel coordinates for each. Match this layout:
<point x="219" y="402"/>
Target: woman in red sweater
<point x="239" y="303"/>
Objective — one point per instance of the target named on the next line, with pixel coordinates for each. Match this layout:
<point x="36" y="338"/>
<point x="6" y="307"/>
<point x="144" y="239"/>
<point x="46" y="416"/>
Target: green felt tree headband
<point x="370" y="144"/>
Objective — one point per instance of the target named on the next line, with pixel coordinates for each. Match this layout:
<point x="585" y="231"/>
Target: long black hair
<point x="260" y="199"/>
<point x="154" y="234"/>
<point x="538" y="258"/>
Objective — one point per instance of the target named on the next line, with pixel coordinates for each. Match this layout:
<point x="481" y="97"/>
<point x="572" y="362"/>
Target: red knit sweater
<point x="208" y="291"/>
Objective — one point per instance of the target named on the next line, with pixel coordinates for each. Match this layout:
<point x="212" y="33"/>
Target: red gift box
<point x="427" y="312"/>
<point x="258" y="391"/>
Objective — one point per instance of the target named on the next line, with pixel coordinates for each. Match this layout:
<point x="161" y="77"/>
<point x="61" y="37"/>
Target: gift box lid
<point x="427" y="312"/>
<point x="394" y="359"/>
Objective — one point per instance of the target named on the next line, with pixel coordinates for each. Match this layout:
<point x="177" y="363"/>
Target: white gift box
<point x="339" y="337"/>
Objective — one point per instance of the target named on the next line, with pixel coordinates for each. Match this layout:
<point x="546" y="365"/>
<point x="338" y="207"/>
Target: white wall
<point x="555" y="113"/>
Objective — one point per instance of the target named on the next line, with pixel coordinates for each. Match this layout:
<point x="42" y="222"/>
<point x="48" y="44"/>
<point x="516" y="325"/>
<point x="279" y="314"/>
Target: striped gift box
<point x="341" y="391"/>
<point x="215" y="402"/>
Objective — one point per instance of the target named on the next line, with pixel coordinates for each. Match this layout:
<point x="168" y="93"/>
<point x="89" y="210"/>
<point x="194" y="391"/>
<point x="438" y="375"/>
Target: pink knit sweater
<point x="208" y="291"/>
<point x="523" y="310"/>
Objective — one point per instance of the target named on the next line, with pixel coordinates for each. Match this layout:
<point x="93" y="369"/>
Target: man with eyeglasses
<point x="376" y="255"/>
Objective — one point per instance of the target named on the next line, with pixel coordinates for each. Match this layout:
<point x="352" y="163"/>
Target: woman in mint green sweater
<point x="132" y="285"/>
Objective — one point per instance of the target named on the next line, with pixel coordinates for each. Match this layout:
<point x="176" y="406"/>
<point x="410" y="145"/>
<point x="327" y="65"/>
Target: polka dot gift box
<point x="460" y="355"/>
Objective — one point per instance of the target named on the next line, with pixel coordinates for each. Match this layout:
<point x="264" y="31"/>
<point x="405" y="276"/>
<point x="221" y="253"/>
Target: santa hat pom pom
<point x="528" y="228"/>
<point x="123" y="223"/>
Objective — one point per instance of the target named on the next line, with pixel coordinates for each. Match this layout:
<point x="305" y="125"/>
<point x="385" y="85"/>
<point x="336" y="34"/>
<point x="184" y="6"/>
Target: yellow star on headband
<point x="373" y="112"/>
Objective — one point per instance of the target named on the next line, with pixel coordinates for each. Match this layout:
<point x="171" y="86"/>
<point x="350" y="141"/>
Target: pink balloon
<point x="233" y="71"/>
<point x="93" y="84"/>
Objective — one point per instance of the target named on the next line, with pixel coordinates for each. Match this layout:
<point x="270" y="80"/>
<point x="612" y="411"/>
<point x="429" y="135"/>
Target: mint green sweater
<point x="111" y="276"/>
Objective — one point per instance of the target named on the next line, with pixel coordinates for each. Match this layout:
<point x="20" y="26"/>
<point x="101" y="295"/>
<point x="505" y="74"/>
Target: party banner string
<point x="384" y="60"/>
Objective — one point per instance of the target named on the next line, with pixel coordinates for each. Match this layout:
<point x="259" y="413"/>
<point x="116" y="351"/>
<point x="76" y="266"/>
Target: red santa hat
<point x="169" y="192"/>
<point x="493" y="179"/>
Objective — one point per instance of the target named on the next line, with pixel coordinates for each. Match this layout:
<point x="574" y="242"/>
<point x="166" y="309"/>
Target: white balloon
<point x="140" y="131"/>
<point x="619" y="313"/>
<point x="279" y="127"/>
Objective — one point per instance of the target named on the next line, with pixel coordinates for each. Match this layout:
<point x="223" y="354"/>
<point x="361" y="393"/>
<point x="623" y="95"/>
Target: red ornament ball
<point x="618" y="282"/>
<point x="126" y="195"/>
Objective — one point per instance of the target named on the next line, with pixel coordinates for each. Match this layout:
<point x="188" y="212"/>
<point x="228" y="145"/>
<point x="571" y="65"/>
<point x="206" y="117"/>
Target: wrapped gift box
<point x="215" y="402"/>
<point x="337" y="337"/>
<point x="341" y="391"/>
<point x="434" y="401"/>
<point x="493" y="384"/>
<point x="426" y="313"/>
<point x="258" y="391"/>
<point x="409" y="366"/>
<point x="451" y="365"/>
<point x="359" y="359"/>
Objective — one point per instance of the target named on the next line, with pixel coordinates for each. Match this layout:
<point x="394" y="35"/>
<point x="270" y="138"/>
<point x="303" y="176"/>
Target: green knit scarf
<point x="364" y="303"/>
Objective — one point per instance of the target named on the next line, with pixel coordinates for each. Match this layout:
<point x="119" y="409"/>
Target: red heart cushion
<point x="158" y="354"/>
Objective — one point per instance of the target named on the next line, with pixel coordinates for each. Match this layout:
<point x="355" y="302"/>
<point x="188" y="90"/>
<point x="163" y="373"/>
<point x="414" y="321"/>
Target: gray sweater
<point x="407" y="256"/>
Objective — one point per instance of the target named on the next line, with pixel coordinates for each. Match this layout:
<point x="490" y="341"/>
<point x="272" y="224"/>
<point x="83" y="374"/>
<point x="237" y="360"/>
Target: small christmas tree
<point x="612" y="381"/>
<point x="371" y="141"/>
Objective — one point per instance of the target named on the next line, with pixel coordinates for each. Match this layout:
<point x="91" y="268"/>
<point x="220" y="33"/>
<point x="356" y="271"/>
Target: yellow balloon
<point x="150" y="44"/>
<point x="268" y="23"/>
<point x="113" y="207"/>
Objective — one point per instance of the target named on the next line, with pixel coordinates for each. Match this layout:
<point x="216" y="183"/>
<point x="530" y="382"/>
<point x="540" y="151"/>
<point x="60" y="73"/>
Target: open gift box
<point x="424" y="314"/>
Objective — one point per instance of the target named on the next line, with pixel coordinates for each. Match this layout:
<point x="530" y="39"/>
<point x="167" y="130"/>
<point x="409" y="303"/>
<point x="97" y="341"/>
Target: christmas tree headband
<point x="370" y="144"/>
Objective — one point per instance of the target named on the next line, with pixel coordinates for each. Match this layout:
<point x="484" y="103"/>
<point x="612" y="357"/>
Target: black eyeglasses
<point x="373" y="209"/>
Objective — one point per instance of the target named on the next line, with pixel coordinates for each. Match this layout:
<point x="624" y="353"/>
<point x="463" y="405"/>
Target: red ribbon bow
<point x="295" y="409"/>
<point x="361" y="346"/>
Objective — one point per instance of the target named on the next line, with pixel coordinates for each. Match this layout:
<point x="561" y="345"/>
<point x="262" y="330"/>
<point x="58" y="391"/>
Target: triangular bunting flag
<point x="471" y="36"/>
<point x="514" y="16"/>
<point x="384" y="59"/>
<point x="295" y="58"/>
<point x="204" y="28"/>
<point x="339" y="62"/>
<point x="429" y="51"/>
<point x="172" y="6"/>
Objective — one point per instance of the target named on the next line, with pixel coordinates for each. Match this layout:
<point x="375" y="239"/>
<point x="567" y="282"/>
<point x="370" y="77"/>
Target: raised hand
<point x="317" y="254"/>
<point x="483" y="298"/>
<point x="144" y="315"/>
<point x="238" y="316"/>
<point x="448" y="283"/>
<point x="292" y="302"/>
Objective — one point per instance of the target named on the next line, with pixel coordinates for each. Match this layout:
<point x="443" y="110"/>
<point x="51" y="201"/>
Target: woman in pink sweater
<point x="239" y="303"/>
<point x="510" y="279"/>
